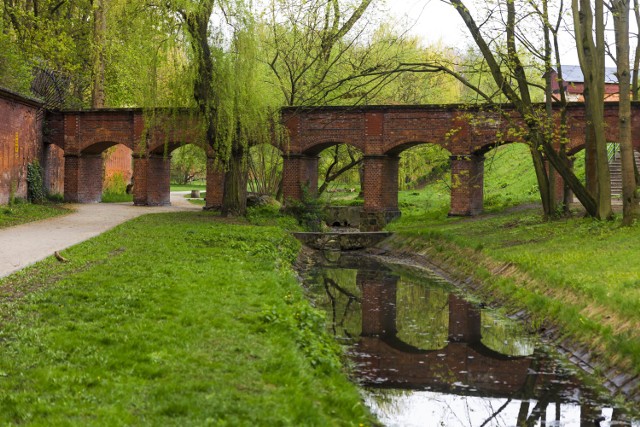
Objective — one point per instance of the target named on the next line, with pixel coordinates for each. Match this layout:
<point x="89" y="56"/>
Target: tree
<point x="514" y="84"/>
<point x="188" y="163"/>
<point x="99" y="47"/>
<point x="509" y="74"/>
<point x="630" y="207"/>
<point x="591" y="53"/>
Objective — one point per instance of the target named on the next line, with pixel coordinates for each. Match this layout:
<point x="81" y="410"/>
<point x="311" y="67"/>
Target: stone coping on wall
<point x="17" y="97"/>
<point x="431" y="107"/>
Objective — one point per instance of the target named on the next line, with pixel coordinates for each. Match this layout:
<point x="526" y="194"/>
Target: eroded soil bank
<point x="500" y="284"/>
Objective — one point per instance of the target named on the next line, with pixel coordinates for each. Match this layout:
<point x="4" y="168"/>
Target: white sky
<point x="436" y="21"/>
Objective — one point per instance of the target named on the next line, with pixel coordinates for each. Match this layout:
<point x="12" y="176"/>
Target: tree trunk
<point x="620" y="10"/>
<point x="636" y="59"/>
<point x="99" y="39"/>
<point x="234" y="199"/>
<point x="591" y="55"/>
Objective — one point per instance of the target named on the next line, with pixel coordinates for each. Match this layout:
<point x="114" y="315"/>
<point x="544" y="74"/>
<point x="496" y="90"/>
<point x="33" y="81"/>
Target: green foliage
<point x="509" y="177"/>
<point x="35" y="184"/>
<point x="423" y="165"/>
<point x="306" y="324"/>
<point x="271" y="215"/>
<point x="14" y="68"/>
<point x="115" y="189"/>
<point x="116" y="336"/>
<point x="308" y="211"/>
<point x="188" y="163"/>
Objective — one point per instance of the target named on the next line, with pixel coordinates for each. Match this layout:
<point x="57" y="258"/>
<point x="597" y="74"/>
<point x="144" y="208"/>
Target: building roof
<point x="573" y="74"/>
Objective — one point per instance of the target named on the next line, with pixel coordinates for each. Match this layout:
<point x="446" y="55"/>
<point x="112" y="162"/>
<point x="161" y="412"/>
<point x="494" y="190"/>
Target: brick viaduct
<point x="382" y="133"/>
<point x="84" y="135"/>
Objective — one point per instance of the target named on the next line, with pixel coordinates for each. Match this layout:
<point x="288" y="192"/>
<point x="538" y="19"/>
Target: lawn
<point x="23" y="212"/>
<point x="171" y="319"/>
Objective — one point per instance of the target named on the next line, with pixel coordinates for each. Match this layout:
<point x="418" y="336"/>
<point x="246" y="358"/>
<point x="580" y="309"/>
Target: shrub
<point x="35" y="184"/>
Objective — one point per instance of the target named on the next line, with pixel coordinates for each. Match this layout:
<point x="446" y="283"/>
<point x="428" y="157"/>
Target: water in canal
<point x="426" y="356"/>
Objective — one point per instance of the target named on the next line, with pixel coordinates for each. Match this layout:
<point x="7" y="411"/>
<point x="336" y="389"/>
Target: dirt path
<point x="26" y="244"/>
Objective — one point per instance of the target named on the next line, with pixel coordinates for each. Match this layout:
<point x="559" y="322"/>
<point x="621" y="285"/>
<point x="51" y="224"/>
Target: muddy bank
<point x="475" y="272"/>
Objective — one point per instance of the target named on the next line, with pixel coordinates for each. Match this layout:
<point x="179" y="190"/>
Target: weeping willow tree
<point x="235" y="106"/>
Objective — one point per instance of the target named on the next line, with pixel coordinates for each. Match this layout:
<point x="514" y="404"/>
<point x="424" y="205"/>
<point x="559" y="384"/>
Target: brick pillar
<point x="83" y="178"/>
<point x="464" y="321"/>
<point x="298" y="172"/>
<point x="558" y="189"/>
<point x="467" y="185"/>
<point x="158" y="180"/>
<point x="380" y="189"/>
<point x="53" y="169"/>
<point x="378" y="303"/>
<point x="215" y="185"/>
<point x="140" y="167"/>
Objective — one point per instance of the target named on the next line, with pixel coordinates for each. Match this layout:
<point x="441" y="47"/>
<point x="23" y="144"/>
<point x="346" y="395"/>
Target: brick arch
<point x="168" y="147"/>
<point x="316" y="147"/>
<point x="408" y="145"/>
<point x="100" y="147"/>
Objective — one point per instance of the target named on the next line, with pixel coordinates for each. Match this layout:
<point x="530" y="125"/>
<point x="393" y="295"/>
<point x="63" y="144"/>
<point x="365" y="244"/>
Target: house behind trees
<point x="574" y="84"/>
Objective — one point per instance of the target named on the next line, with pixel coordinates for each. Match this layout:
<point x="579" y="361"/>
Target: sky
<point x="436" y="21"/>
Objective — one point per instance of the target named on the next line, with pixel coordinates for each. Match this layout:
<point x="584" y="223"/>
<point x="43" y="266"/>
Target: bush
<point x="35" y="184"/>
<point x="115" y="189"/>
<point x="307" y="211"/>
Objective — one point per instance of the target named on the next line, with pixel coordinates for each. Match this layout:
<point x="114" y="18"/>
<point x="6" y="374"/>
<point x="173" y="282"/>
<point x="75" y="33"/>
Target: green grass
<point x="23" y="212"/>
<point x="116" y="197"/>
<point x="188" y="187"/>
<point x="170" y="319"/>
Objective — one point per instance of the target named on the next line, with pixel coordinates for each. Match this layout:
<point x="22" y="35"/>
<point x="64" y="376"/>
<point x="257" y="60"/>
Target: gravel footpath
<point x="26" y="244"/>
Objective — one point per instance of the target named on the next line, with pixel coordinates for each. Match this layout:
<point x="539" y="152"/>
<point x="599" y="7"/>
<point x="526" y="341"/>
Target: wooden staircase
<point x="615" y="169"/>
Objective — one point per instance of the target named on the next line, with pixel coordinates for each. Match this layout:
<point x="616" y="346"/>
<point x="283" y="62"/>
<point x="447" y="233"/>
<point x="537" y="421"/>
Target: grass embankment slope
<point x="579" y="274"/>
<point x="170" y="319"/>
<point x="23" y="212"/>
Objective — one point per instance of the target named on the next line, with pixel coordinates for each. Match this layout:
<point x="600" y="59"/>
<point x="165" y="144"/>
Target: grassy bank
<point x="170" y="319"/>
<point x="23" y="212"/>
<point x="577" y="273"/>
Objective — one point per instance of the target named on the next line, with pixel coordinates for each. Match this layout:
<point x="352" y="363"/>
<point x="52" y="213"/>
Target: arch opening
<point x="509" y="177"/>
<point x="99" y="173"/>
<point x="264" y="167"/>
<point x="187" y="164"/>
<point x="117" y="174"/>
<point x="340" y="175"/>
<point x="424" y="178"/>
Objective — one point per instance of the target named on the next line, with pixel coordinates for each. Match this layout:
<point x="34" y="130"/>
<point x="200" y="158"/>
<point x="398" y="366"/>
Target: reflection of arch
<point x="464" y="366"/>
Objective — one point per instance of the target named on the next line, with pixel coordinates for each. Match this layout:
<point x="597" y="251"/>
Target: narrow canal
<point x="428" y="356"/>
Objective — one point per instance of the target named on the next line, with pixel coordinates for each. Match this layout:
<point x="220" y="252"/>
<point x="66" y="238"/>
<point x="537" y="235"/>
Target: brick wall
<point x="215" y="185"/>
<point x="118" y="161"/>
<point x="20" y="142"/>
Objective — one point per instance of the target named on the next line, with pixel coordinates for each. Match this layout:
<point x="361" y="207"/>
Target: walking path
<point x="26" y="244"/>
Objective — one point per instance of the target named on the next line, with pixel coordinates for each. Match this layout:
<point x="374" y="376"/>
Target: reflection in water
<point x="430" y="358"/>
